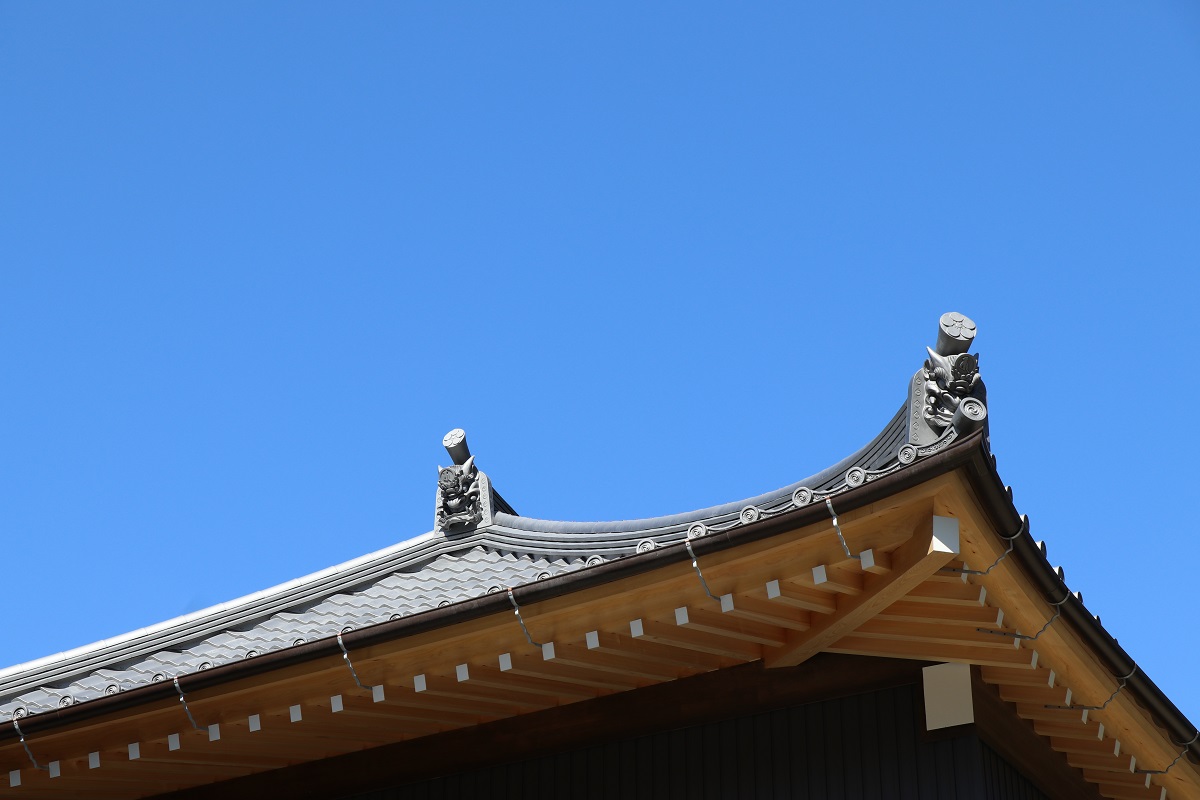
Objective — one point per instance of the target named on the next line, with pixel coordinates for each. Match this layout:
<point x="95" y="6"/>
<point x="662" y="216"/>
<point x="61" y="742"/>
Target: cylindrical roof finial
<point x="956" y="333"/>
<point x="455" y="443"/>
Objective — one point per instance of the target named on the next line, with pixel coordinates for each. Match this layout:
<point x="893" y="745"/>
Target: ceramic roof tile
<point x="429" y="571"/>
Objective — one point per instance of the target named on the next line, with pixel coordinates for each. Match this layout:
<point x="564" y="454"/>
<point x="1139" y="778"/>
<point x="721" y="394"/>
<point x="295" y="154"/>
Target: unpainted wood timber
<point x="1038" y="676"/>
<point x="1069" y="729"/>
<point x="933" y="632"/>
<point x="803" y="597"/>
<point x="1097" y="762"/>
<point x="538" y="667"/>
<point x="932" y="651"/>
<point x="1015" y="740"/>
<point x="914" y="561"/>
<point x="1043" y="693"/>
<point x="955" y="593"/>
<point x="659" y="630"/>
<point x="760" y="609"/>
<point x="733" y="627"/>
<point x="492" y="678"/>
<point x="623" y="664"/>
<point x="843" y="579"/>
<point x="1026" y="609"/>
<point x="970" y="616"/>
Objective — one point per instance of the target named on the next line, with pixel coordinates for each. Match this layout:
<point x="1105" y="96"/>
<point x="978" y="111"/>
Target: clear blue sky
<point x="255" y="259"/>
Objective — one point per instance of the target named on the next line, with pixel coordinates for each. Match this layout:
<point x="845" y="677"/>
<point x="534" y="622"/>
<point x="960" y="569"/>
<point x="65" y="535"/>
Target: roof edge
<point x="956" y="455"/>
<point x="990" y="489"/>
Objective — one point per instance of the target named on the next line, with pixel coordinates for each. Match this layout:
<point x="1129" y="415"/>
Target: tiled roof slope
<point x="414" y="576"/>
<point x="401" y="591"/>
<point x="501" y="550"/>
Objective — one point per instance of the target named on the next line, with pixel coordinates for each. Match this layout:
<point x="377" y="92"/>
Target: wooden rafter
<point x="934" y="543"/>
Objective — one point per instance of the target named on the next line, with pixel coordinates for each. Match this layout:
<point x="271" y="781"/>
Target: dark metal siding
<point x="864" y="746"/>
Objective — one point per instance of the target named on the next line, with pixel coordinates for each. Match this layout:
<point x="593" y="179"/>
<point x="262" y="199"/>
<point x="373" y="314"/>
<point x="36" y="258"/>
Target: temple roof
<point x="479" y="549"/>
<point x="431" y="570"/>
<point x="911" y="593"/>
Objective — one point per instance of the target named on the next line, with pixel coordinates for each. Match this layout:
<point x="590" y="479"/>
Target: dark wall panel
<point x="863" y="747"/>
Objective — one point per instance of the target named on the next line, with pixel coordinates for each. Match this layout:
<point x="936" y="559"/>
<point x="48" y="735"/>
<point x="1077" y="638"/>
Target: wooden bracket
<point x="932" y="546"/>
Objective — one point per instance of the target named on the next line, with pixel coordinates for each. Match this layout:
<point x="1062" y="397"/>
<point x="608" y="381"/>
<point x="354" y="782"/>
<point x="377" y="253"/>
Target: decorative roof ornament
<point x="947" y="398"/>
<point x="464" y="494"/>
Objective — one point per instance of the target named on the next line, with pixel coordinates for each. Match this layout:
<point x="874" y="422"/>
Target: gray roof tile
<point x="424" y="573"/>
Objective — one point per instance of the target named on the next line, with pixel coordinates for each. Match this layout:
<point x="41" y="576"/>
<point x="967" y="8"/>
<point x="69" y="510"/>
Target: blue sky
<point x="256" y="259"/>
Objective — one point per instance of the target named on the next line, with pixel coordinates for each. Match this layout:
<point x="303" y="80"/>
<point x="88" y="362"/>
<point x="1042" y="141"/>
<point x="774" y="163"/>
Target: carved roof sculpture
<point x="480" y="546"/>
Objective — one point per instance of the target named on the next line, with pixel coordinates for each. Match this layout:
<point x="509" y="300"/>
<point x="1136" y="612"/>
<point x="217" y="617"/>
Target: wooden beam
<point x="650" y="653"/>
<point x="682" y="636"/>
<point x="954" y="593"/>
<point x="973" y="616"/>
<point x="759" y="610"/>
<point x="786" y="593"/>
<point x="1094" y="761"/>
<point x="1101" y="747"/>
<point x="841" y="579"/>
<point x="932" y="651"/>
<point x="700" y="619"/>
<point x="1088" y="731"/>
<point x="933" y="544"/>
<point x="1027" y="608"/>
<point x="1042" y="693"/>
<point x="933" y="632"/>
<point x="1040" y="676"/>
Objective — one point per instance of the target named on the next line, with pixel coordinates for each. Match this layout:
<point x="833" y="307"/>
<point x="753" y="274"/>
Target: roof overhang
<point x="782" y="589"/>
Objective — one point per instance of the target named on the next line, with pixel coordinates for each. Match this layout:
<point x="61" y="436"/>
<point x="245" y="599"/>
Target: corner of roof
<point x="946" y="402"/>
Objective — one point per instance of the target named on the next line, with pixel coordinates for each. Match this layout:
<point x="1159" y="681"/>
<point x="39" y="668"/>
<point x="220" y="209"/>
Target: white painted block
<point x="135" y="751"/>
<point x="593" y="639"/>
<point x="173" y="741"/>
<point x="635" y="628"/>
<point x="14" y="778"/>
<point x="93" y="760"/>
<point x="945" y="535"/>
<point x="54" y="769"/>
<point x="726" y="603"/>
<point x="255" y="723"/>
<point x="982" y="595"/>
<point x="1100" y="735"/>
<point x="681" y="616"/>
<point x="548" y="651"/>
<point x="214" y="732"/>
<point x="867" y="559"/>
<point x="419" y="682"/>
<point x="1116" y="747"/>
<point x="1050" y="682"/>
<point x="335" y="703"/>
<point x="294" y="713"/>
<point x="377" y="695"/>
<point x="820" y="574"/>
<point x="463" y="672"/>
<point x="505" y="662"/>
<point x="947" y="696"/>
<point x="773" y="590"/>
<point x="1132" y="764"/>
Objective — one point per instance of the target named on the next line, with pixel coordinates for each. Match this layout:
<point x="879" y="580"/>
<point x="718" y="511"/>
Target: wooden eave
<point x="647" y="620"/>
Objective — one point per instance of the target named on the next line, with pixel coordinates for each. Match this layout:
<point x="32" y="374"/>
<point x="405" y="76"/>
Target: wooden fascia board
<point x="1061" y="647"/>
<point x="565" y="618"/>
<point x="933" y="544"/>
